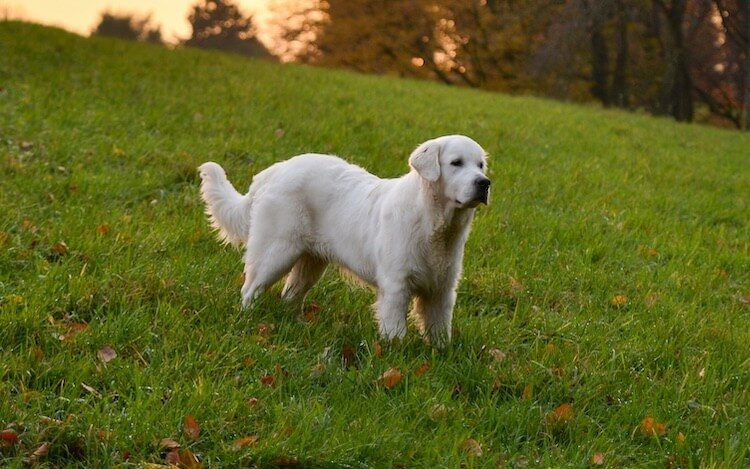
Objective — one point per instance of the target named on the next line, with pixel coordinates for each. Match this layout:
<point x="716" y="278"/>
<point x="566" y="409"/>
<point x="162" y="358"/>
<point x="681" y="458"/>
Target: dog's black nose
<point x="483" y="183"/>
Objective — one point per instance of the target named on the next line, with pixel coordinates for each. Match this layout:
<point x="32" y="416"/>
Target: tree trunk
<point x="746" y="98"/>
<point x="619" y="81"/>
<point x="679" y="91"/>
<point x="599" y="65"/>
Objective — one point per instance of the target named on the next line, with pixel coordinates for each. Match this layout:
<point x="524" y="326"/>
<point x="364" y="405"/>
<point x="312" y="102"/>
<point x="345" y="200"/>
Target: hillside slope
<point x="612" y="270"/>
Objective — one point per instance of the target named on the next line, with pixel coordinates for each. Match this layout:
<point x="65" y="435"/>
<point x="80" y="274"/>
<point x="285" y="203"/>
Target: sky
<point x="81" y="16"/>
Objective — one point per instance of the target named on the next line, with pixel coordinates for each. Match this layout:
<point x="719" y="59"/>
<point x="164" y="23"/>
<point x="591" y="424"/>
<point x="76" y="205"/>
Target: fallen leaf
<point x="680" y="439"/>
<point x="168" y="444"/>
<point x="378" y="349"/>
<point x="702" y="373"/>
<point x="249" y="362"/>
<point x="102" y="229"/>
<point x="192" y="429"/>
<point x="106" y="354"/>
<point x="348" y="356"/>
<point x="652" y="299"/>
<point x="317" y="371"/>
<point x="73" y="329"/>
<point x="422" y="369"/>
<point x="311" y="312"/>
<point x="497" y="354"/>
<point x="91" y="390"/>
<point x="549" y="348"/>
<point x="264" y="330"/>
<point x="253" y="401"/>
<point x="472" y="447"/>
<point x="8" y="437"/>
<point x="26" y="145"/>
<point x="280" y="370"/>
<point x="650" y="427"/>
<point x="597" y="459"/>
<point x="242" y="442"/>
<point x="60" y="248"/>
<point x="561" y="415"/>
<point x="526" y="392"/>
<point x="390" y="378"/>
<point x="284" y="461"/>
<point x="172" y="457"/>
<point x="516" y="286"/>
<point x="188" y="460"/>
<point x="438" y="412"/>
<point x="267" y="380"/>
<point x="40" y="452"/>
<point x="279" y="133"/>
<point x="745" y="299"/>
<point x="619" y="300"/>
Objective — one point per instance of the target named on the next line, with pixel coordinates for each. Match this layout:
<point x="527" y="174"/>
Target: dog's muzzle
<point x="482" y="193"/>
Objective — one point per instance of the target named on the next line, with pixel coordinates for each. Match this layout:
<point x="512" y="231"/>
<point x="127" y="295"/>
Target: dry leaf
<point x="526" y="392"/>
<point x="242" y="442"/>
<point x="745" y="299"/>
<point x="264" y="330"/>
<point x="497" y="354"/>
<point x="106" y="354"/>
<point x="472" y="447"/>
<point x="311" y="312"/>
<point x="73" y="330"/>
<point x="40" y="452"/>
<point x="8" y="437"/>
<point x="188" y="460"/>
<point x="650" y="427"/>
<point x="91" y="390"/>
<point x="562" y="415"/>
<point x="597" y="459"/>
<point x="172" y="457"/>
<point x="252" y="402"/>
<point x="438" y="412"/>
<point x="192" y="429"/>
<point x="422" y="369"/>
<point x="26" y="145"/>
<point x="516" y="286"/>
<point x="168" y="444"/>
<point x="267" y="380"/>
<point x="619" y="300"/>
<point x="390" y="378"/>
<point x="680" y="439"/>
<point x="279" y="133"/>
<point x="60" y="248"/>
<point x="348" y="356"/>
<point x="378" y="349"/>
<point x="317" y="371"/>
<point x="549" y="348"/>
<point x="102" y="229"/>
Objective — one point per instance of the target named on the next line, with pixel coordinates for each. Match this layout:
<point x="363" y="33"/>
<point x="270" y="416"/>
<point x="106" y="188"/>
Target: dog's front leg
<point x="392" y="305"/>
<point x="434" y="316"/>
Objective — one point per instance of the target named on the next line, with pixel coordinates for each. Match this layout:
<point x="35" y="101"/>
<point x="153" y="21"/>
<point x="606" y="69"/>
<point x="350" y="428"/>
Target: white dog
<point x="404" y="236"/>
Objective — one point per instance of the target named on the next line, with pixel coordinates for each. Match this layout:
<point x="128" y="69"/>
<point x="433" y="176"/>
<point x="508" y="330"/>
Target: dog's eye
<point x="457" y="163"/>
<point x="481" y="165"/>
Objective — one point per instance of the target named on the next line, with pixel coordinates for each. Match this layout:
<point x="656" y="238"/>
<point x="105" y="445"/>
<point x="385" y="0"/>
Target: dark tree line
<point x="684" y="58"/>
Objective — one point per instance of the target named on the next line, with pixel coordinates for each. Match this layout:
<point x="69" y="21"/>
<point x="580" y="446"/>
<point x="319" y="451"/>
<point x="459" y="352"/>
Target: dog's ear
<point x="426" y="160"/>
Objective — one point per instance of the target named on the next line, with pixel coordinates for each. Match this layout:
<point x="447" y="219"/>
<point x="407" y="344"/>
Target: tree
<point x="219" y="24"/>
<point x="125" y="26"/>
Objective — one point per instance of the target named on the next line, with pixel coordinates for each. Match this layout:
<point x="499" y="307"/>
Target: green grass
<point x="587" y="205"/>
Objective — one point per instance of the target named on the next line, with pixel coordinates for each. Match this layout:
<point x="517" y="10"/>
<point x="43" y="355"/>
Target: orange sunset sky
<point x="81" y="16"/>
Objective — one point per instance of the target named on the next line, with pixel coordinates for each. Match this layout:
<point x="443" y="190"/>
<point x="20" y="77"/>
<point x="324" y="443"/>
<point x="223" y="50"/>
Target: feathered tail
<point x="227" y="209"/>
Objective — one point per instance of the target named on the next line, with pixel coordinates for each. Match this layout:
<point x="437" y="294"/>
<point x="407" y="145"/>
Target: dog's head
<point x="456" y="165"/>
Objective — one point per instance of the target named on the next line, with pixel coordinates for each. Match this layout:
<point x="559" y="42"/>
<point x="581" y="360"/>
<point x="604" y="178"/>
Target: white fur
<point x="404" y="236"/>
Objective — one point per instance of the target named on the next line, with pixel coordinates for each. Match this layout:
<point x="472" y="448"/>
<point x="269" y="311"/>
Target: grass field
<point x="607" y="282"/>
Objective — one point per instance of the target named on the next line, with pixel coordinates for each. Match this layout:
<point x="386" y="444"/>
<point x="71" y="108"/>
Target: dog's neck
<point x="447" y="224"/>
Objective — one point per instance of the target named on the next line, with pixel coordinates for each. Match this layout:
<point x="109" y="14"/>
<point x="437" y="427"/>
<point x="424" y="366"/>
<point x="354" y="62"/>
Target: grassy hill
<point x="611" y="272"/>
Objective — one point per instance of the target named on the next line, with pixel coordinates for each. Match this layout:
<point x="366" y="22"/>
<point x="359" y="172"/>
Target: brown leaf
<point x="25" y="145"/>
<point x="106" y="354"/>
<point x="267" y="380"/>
<point x="527" y="390"/>
<point x="597" y="459"/>
<point x="73" y="329"/>
<point x="253" y="401"/>
<point x="348" y="356"/>
<point x="8" y="437"/>
<point x="390" y="378"/>
<point x="317" y="371"/>
<point x="102" y="229"/>
<point x="40" y="452"/>
<point x="284" y="461"/>
<point x="280" y="371"/>
<point x="745" y="299"/>
<point x="650" y="427"/>
<point x="311" y="312"/>
<point x="279" y="133"/>
<point x="516" y="286"/>
<point x="60" y="248"/>
<point x="378" y="349"/>
<point x="168" y="444"/>
<point x="264" y="330"/>
<point x="172" y="457"/>
<point x="242" y="442"/>
<point x="561" y="415"/>
<point x="497" y="354"/>
<point x="422" y="369"/>
<point x="472" y="447"/>
<point x="188" y="460"/>
<point x="91" y="390"/>
<point x="680" y="439"/>
<point x="192" y="429"/>
<point x="619" y="301"/>
<point x="438" y="412"/>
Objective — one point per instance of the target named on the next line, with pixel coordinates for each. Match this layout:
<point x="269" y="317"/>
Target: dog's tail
<point x="227" y="209"/>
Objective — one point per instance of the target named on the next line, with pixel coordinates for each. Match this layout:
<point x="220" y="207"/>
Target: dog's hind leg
<point x="265" y="264"/>
<point x="305" y="273"/>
